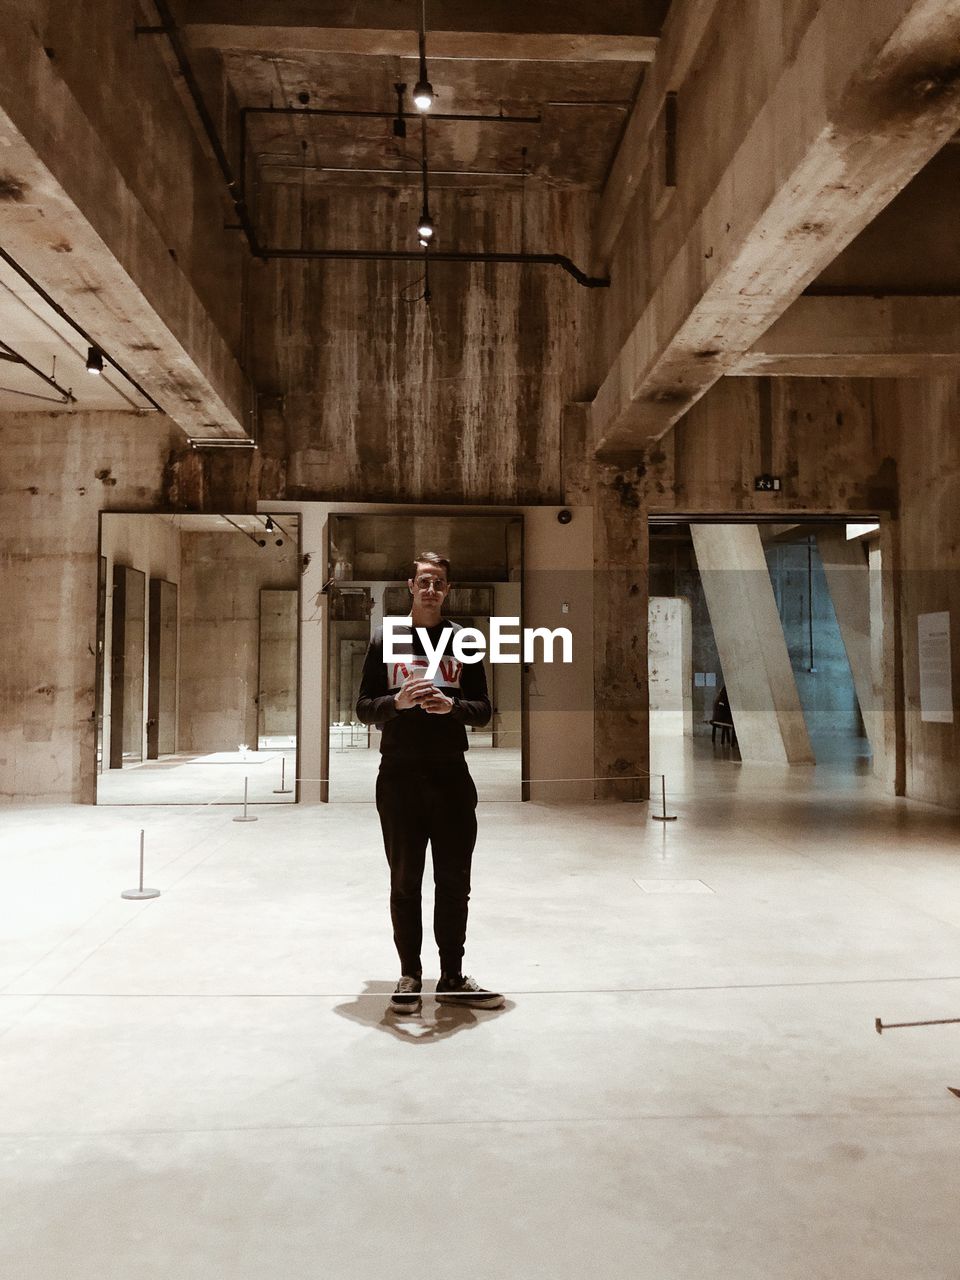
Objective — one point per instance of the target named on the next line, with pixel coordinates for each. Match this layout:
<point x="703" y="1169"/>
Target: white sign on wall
<point x="936" y="685"/>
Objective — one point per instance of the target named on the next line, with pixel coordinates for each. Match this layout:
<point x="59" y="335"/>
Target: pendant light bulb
<point x="423" y="94"/>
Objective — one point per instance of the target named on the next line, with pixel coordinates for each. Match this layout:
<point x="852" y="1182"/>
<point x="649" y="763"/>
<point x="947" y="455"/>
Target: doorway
<point x="774" y="631"/>
<point x="198" y="659"/>
<point x="370" y="559"/>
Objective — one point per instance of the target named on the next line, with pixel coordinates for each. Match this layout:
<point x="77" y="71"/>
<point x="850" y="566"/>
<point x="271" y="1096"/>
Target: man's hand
<point x="413" y="693"/>
<point x="437" y="704"/>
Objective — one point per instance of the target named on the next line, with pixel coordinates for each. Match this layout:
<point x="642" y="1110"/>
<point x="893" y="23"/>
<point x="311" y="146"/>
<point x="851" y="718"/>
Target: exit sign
<point x="767" y="484"/>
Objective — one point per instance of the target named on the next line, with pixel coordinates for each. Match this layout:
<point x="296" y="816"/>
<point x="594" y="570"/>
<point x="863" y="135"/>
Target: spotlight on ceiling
<point x="94" y="361"/>
<point x="269" y="524"/>
<point x="424" y="244"/>
<point x="423" y="94"/>
<point x="425" y="226"/>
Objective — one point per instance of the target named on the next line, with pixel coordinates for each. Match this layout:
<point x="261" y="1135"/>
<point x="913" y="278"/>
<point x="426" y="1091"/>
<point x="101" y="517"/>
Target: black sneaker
<point x="406" y="996"/>
<point x="466" y="992"/>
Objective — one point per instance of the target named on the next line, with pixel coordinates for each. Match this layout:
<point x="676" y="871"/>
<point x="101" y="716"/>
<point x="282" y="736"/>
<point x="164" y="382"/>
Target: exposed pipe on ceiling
<point x="342" y="113"/>
<point x="169" y="29"/>
<point x="14" y="357"/>
<point x="282" y="162"/>
<point x="65" y="315"/>
<point x="440" y="255"/>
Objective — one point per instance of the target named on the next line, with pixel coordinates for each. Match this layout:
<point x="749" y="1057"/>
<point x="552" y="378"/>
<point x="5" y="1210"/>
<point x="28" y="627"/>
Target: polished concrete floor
<point x="212" y="778"/>
<point x="225" y="777"/>
<point x="685" y="1081"/>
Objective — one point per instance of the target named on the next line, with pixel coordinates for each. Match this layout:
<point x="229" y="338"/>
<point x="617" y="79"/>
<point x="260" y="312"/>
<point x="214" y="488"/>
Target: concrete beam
<point x="860" y="337"/>
<point x="491" y="30"/>
<point x="769" y="720"/>
<point x="683" y="31"/>
<point x="847" y="123"/>
<point x="70" y="219"/>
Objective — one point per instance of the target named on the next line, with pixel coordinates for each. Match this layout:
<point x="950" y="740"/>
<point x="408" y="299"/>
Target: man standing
<point x="424" y="789"/>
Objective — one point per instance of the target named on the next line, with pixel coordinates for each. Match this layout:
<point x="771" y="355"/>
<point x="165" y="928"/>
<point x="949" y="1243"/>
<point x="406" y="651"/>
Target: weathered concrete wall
<point x="57" y="472"/>
<point x="381" y="397"/>
<point x="221" y="575"/>
<point x="925" y="415"/>
<point x="821" y="435"/>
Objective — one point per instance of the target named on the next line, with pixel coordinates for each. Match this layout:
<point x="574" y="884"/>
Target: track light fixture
<point x="269" y="526"/>
<point x="425" y="225"/>
<point x="423" y="89"/>
<point x="94" y="361"/>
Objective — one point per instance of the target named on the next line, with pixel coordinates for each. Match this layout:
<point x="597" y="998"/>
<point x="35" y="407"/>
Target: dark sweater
<point x="416" y="734"/>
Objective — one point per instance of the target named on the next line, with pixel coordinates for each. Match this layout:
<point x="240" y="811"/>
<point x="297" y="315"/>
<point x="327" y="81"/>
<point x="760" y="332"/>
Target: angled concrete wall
<point x="753" y="654"/>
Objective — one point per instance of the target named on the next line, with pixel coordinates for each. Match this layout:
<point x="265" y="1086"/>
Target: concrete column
<point x="886" y="601"/>
<point x="621" y="592"/>
<point x="670" y="662"/>
<point x="858" y="610"/>
<point x="753" y="653"/>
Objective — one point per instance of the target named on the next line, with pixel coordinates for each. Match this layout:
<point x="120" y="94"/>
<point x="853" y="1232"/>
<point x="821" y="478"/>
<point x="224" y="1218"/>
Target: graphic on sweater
<point x="448" y="674"/>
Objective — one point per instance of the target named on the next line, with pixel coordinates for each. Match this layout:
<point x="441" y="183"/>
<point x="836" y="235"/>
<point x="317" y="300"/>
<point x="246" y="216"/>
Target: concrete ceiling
<point x="577" y="67"/>
<point x="36" y="335"/>
<point x="582" y="109"/>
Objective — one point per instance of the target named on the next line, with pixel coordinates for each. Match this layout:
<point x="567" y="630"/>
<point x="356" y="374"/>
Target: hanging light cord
<point x="422" y="39"/>
<point x="425" y="184"/>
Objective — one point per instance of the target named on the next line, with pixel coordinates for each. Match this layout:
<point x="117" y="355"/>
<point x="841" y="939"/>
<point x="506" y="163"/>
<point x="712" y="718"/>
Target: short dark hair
<point x="432" y="558"/>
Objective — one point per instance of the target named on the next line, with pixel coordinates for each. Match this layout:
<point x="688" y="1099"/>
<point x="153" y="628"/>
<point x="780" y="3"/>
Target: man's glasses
<point x="425" y="583"/>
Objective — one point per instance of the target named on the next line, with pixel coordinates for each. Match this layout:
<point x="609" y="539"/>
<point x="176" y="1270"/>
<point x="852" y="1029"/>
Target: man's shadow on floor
<point x="434" y="1022"/>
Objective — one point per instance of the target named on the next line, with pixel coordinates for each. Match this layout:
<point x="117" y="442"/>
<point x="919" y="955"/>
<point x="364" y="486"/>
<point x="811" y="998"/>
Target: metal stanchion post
<point x="245" y="817"/>
<point x="140" y="892"/>
<point x="663" y="817"/>
<point x="283" y="789"/>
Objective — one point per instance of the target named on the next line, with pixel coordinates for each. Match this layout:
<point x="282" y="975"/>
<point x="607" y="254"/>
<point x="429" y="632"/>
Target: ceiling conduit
<point x="168" y="28"/>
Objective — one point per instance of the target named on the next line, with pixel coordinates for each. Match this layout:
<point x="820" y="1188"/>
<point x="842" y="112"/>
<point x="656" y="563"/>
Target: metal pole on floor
<point x="283" y="789"/>
<point x="664" y="816"/>
<point x="933" y="1022"/>
<point x="140" y="892"/>
<point x="244" y="817"/>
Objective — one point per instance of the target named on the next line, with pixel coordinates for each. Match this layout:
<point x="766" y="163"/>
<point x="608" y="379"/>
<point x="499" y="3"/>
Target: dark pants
<point x="421" y="803"/>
